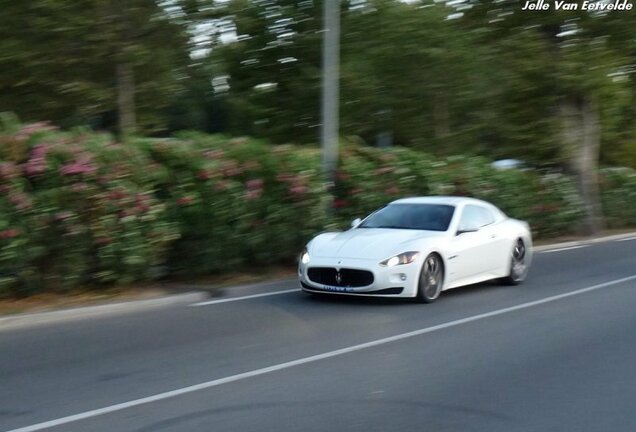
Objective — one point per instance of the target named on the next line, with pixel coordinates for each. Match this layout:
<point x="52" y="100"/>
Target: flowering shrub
<point x="74" y="210"/>
<point x="238" y="201"/>
<point x="80" y="209"/>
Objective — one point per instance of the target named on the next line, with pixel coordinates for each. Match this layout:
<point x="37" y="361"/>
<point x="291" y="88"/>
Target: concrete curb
<point x="584" y="242"/>
<point x="219" y="291"/>
<point x="109" y="309"/>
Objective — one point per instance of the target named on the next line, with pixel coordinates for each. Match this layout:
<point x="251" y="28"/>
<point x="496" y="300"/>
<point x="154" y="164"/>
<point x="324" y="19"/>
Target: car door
<point x="474" y="247"/>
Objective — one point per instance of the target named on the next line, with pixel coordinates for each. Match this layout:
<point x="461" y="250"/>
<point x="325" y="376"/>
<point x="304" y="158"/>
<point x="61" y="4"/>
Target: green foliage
<point x="64" y="68"/>
<point x="489" y="82"/>
<point x="273" y="67"/>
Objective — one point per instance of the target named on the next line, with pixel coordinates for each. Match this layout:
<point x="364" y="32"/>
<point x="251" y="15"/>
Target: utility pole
<point x="330" y="89"/>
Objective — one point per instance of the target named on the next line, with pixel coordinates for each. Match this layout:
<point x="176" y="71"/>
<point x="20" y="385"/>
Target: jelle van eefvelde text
<point x="543" y="5"/>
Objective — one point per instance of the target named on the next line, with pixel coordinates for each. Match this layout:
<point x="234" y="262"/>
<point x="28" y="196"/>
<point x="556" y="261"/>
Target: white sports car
<point x="418" y="247"/>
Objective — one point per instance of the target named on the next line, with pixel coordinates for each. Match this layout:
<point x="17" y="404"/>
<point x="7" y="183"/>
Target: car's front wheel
<point x="431" y="279"/>
<point x="518" y="264"/>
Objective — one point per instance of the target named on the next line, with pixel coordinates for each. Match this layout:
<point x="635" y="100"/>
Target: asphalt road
<point x="555" y="354"/>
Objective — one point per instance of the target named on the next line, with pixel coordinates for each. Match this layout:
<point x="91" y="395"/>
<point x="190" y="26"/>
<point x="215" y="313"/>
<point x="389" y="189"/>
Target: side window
<point x="475" y="217"/>
<point x="487" y="216"/>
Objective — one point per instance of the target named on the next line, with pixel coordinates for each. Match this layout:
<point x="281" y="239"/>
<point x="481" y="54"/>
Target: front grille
<point x="340" y="278"/>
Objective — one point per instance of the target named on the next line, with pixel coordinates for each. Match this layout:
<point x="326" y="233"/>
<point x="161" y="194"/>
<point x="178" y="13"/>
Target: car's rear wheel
<point x="431" y="279"/>
<point x="518" y="264"/>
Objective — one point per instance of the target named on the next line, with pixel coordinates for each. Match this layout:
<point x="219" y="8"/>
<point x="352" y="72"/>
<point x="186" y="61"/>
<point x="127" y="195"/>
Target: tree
<point x="85" y="59"/>
<point x="409" y="71"/>
<point x="580" y="62"/>
<point x="272" y="66"/>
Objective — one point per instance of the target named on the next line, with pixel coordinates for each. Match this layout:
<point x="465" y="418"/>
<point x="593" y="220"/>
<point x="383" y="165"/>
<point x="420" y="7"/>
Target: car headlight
<point x="304" y="256"/>
<point x="401" y="259"/>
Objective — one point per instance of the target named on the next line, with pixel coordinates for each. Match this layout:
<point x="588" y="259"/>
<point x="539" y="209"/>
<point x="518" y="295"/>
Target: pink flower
<point x="220" y="186"/>
<point x="232" y="171"/>
<point x="31" y="128"/>
<point x="21" y="201"/>
<point x="254" y="189"/>
<point x="251" y="165"/>
<point x="253" y="194"/>
<point x="125" y="213"/>
<point x="341" y="175"/>
<point x="142" y="198"/>
<point x="214" y="154"/>
<point x="79" y="167"/>
<point x="36" y="165"/>
<point x="142" y="203"/>
<point x="339" y="203"/>
<point x="8" y="170"/>
<point x="284" y="177"/>
<point x="384" y="170"/>
<point x="185" y="200"/>
<point x="298" y="190"/>
<point x="79" y="187"/>
<point x="117" y="195"/>
<point x="9" y="233"/>
<point x="142" y="208"/>
<point x="62" y="216"/>
<point x="103" y="240"/>
<point x="254" y="184"/>
<point x="203" y="175"/>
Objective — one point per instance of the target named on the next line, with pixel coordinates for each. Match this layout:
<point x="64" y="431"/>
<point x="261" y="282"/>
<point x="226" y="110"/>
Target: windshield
<point x="430" y="217"/>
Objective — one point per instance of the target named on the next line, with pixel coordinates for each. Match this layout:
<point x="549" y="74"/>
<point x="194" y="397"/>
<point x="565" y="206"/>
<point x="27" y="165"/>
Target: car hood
<point x="369" y="243"/>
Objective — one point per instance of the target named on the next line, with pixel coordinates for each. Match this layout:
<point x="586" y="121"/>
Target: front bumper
<point x="397" y="281"/>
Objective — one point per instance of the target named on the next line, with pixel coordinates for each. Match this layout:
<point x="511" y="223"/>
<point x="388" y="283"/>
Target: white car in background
<point x="418" y="247"/>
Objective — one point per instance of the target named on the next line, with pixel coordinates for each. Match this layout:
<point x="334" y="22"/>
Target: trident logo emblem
<point x="338" y="278"/>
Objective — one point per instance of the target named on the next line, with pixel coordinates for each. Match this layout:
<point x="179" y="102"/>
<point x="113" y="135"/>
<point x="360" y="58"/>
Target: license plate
<point x="337" y="289"/>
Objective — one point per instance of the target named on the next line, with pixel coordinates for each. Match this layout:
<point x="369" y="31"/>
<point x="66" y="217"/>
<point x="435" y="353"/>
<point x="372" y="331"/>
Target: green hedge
<point x="79" y="209"/>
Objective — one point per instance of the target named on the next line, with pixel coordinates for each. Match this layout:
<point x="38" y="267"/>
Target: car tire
<point x="518" y="264"/>
<point x="431" y="279"/>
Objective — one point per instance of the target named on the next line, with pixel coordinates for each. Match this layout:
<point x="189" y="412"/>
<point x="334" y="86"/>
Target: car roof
<point x="448" y="200"/>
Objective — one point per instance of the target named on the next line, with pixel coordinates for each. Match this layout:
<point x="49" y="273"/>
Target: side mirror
<point x="356" y="222"/>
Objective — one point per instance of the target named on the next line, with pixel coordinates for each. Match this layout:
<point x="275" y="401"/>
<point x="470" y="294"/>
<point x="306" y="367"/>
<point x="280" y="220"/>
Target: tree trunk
<point x="581" y="143"/>
<point x="123" y="41"/>
<point x="441" y="115"/>
<point x="126" y="99"/>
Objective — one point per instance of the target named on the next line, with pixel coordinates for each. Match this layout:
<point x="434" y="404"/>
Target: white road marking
<point x="563" y="249"/>
<point x="626" y="239"/>
<point x="232" y="299"/>
<point x="305" y="360"/>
